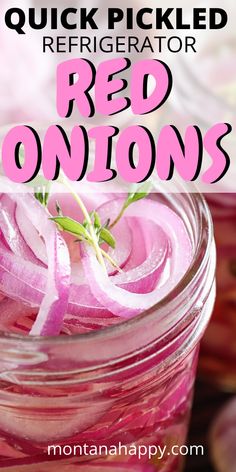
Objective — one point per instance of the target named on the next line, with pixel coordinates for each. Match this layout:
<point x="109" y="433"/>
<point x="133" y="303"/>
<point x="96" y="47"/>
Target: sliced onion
<point x="54" y="305"/>
<point x="11" y="231"/>
<point x="137" y="257"/>
<point x="11" y="311"/>
<point x="122" y="251"/>
<point x="171" y="224"/>
<point x="120" y="301"/>
<point x="153" y="249"/>
<point x="22" y="282"/>
<point x="31" y="235"/>
<point x="143" y="278"/>
<point x="27" y="284"/>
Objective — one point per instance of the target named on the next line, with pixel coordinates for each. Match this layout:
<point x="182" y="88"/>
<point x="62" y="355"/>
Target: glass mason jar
<point x="108" y="400"/>
<point x="204" y="94"/>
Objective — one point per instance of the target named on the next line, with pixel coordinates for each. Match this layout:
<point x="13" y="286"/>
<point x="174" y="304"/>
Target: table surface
<point x="207" y="402"/>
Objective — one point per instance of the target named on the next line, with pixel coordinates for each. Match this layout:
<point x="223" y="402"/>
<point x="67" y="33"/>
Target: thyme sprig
<point x="139" y="194"/>
<point x="82" y="233"/>
<point x="91" y="231"/>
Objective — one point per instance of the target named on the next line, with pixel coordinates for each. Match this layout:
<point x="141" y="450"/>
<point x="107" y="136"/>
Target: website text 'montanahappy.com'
<point x="140" y="451"/>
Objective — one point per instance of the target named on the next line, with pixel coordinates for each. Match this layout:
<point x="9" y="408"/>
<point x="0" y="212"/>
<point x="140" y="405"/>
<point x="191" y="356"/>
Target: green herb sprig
<point x="82" y="233"/>
<point x="42" y="195"/>
<point x="132" y="197"/>
<point x="91" y="231"/>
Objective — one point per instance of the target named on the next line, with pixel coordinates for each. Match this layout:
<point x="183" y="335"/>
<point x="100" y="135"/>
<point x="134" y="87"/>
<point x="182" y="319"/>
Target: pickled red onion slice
<point x="31" y="235"/>
<point x="122" y="251"/>
<point x="11" y="231"/>
<point x="153" y="249"/>
<point x="121" y="302"/>
<point x="54" y="304"/>
<point x="27" y="284"/>
<point x="142" y="278"/>
<point x="11" y="311"/>
<point x="138" y="241"/>
<point x="168" y="220"/>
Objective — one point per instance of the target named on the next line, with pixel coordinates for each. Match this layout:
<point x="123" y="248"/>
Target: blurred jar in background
<point x="28" y="76"/>
<point x="222" y="438"/>
<point x="24" y="74"/>
<point x="204" y="94"/>
<point x="218" y="354"/>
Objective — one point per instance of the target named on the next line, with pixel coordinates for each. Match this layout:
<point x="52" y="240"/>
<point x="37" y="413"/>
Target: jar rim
<point x="203" y="215"/>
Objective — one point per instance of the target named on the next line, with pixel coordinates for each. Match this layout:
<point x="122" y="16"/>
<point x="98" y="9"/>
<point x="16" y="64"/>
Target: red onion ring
<point x="153" y="249"/>
<point x="11" y="231"/>
<point x="121" y="302"/>
<point x="53" y="307"/>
